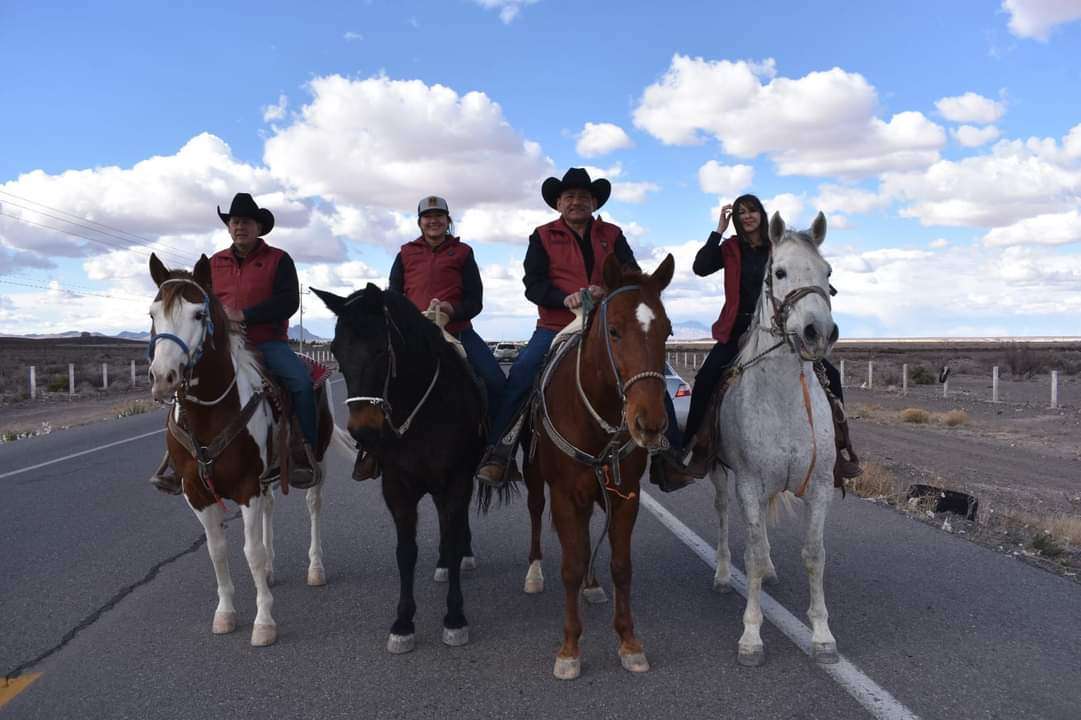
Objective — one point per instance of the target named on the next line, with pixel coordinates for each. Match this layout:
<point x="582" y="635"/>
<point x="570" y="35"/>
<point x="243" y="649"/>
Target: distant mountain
<point x="130" y="335"/>
<point x="690" y="330"/>
<point x="294" y="334"/>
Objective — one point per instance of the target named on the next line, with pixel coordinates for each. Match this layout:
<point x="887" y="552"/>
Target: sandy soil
<point x="57" y="411"/>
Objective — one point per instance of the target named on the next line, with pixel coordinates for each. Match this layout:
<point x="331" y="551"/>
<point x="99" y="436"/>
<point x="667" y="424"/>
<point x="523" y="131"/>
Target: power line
<point x="58" y="286"/>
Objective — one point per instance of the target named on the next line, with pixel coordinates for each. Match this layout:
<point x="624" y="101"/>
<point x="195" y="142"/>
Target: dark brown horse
<point x="601" y="411"/>
<point x="414" y="405"/>
<point x="222" y="438"/>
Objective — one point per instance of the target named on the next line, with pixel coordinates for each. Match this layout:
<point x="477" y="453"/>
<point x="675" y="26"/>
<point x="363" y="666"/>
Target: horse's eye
<point x="780" y="274"/>
<point x="613" y="332"/>
<point x="200" y="315"/>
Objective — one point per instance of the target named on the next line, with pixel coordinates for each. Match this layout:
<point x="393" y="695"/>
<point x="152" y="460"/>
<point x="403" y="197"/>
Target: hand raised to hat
<point x="722" y="222"/>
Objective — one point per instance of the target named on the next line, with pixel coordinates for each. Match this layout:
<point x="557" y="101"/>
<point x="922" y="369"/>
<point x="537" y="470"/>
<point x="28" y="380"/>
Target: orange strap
<point x="612" y="488"/>
<point x="810" y="419"/>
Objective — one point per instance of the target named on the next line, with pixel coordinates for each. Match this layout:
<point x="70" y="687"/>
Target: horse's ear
<point x="776" y="228"/>
<point x="373" y="298"/>
<point x="334" y="303"/>
<point x="201" y="273"/>
<point x="663" y="274"/>
<point x="613" y="273"/>
<point x="158" y="271"/>
<point x="818" y="228"/>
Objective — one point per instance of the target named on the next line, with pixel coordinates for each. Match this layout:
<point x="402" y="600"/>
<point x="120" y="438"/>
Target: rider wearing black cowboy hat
<point x="257" y="285"/>
<point x="565" y="257"/>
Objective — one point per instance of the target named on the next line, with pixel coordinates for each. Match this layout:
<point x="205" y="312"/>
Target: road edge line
<point x="11" y="473"/>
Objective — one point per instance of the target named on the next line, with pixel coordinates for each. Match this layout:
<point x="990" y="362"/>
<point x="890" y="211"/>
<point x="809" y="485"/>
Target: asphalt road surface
<point x="106" y="590"/>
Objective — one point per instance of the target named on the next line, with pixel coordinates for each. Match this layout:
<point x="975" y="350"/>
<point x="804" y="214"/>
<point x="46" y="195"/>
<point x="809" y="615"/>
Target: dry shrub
<point x="136" y="407"/>
<point x="877" y="481"/>
<point x="917" y="416"/>
<point x="1023" y="361"/>
<point x="921" y="375"/>
<point x="953" y="418"/>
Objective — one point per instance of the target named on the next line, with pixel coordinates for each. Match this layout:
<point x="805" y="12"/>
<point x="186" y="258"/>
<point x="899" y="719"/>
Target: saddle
<point x="288" y="429"/>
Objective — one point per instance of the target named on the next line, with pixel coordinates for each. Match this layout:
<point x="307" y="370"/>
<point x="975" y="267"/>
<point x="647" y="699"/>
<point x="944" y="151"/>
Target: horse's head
<point x="364" y="351"/>
<point x="182" y="319"/>
<point x="633" y="326"/>
<point x="797" y="288"/>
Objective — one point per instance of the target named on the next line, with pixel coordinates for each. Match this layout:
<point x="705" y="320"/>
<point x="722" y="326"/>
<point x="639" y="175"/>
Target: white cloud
<point x="823" y="123"/>
<point x="852" y="200"/>
<point x="508" y="9"/>
<point x="385" y="143"/>
<point x="633" y="192"/>
<point x="728" y="181"/>
<point x="1047" y="229"/>
<point x="598" y="139"/>
<point x="494" y="224"/>
<point x="1036" y="18"/>
<point x="277" y="111"/>
<point x="971" y="108"/>
<point x="351" y="36"/>
<point x="1014" y="181"/>
<point x="938" y="244"/>
<point x="972" y="136"/>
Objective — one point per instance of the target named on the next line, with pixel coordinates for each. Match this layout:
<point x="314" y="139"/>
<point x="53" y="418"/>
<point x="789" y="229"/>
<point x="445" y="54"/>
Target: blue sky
<point x="935" y="136"/>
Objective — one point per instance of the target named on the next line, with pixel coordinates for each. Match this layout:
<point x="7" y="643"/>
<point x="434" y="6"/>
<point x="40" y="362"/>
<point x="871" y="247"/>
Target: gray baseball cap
<point x="432" y="202"/>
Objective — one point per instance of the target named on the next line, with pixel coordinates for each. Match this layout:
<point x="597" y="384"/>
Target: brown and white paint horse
<point x="608" y="403"/>
<point x="202" y="360"/>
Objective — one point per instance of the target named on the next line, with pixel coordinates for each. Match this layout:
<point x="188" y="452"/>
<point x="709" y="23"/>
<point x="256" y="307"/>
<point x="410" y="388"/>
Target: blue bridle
<point x="195" y="354"/>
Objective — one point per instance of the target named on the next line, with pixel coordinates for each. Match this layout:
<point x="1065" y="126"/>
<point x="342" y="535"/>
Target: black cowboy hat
<point x="244" y="206"/>
<point x="574" y="179"/>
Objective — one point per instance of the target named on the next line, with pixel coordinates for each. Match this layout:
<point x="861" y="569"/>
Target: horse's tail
<point x="784" y="500"/>
<point x="502" y="495"/>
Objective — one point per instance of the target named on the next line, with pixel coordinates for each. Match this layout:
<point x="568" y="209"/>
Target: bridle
<point x="194" y="353"/>
<point x="383" y="402"/>
<point x="613" y="451"/>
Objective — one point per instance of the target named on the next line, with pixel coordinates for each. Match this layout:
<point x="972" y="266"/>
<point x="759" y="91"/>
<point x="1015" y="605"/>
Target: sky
<point x="942" y="140"/>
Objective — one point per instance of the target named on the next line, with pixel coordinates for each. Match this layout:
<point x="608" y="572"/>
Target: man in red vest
<point x="257" y="285"/>
<point x="564" y="257"/>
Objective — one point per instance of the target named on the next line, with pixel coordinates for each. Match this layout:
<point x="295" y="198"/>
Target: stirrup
<point x="165" y="478"/>
<point x="304" y="477"/>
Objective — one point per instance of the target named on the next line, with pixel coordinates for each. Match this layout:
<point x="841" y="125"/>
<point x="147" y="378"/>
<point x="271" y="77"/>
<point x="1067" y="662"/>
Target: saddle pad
<point x="574" y="327"/>
<point x="316" y="370"/>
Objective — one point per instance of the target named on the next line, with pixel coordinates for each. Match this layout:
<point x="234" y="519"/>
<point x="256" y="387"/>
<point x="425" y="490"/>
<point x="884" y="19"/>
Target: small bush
<point x="876" y="481"/>
<point x="917" y="416"/>
<point x="136" y="407"/>
<point x="954" y="418"/>
<point x="887" y="377"/>
<point x="57" y="383"/>
<point x="1045" y="544"/>
<point x="1023" y="361"/>
<point x="921" y="375"/>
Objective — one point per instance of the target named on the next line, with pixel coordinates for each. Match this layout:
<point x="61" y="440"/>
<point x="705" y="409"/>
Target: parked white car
<point x="506" y="351"/>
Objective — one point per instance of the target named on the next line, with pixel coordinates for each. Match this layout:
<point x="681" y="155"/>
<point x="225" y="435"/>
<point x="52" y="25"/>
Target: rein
<point x="383" y="403"/>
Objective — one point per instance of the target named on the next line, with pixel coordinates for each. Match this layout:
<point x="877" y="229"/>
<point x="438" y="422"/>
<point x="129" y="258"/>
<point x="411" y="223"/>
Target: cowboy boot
<point x="366" y="466"/>
<point x="846" y="467"/>
<point x="667" y="472"/>
<point x="165" y="478"/>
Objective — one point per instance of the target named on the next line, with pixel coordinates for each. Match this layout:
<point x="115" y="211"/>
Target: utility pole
<point x="301" y="318"/>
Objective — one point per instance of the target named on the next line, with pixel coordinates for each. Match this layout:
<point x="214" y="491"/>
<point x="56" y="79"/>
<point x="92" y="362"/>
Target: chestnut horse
<point x="414" y="405"/>
<point x="597" y="418"/>
<point x="221" y="414"/>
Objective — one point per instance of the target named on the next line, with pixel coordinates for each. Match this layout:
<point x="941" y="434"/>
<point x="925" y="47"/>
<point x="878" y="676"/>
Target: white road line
<point x="79" y="454"/>
<point x="875" y="699"/>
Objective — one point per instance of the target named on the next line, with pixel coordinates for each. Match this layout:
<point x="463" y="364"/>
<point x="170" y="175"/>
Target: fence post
<point x="133" y="373"/>
<point x="994" y="384"/>
<point x="870" y="374"/>
<point x="71" y="379"/>
<point x="904" y="378"/>
<point x="105" y="376"/>
<point x="945" y="388"/>
<point x="33" y="384"/>
<point x="1054" y="388"/>
<point x="842" y="373"/>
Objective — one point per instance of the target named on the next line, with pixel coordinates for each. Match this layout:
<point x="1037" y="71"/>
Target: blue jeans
<point x="486" y="367"/>
<point x="291" y="372"/>
<point x="520" y="383"/>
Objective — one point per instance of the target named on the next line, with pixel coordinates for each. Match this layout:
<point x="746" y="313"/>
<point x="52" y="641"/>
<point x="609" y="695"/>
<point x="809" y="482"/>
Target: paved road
<point x="948" y="628"/>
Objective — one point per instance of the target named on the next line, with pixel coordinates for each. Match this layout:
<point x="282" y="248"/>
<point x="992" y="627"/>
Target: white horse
<point x="777" y="429"/>
<point x="202" y="361"/>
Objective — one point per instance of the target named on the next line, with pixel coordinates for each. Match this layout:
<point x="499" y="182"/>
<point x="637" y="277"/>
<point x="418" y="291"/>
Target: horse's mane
<point x="419" y="335"/>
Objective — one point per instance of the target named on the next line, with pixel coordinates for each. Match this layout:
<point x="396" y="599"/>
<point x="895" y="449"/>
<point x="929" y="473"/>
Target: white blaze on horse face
<point x="168" y="356"/>
<point x="645" y="316"/>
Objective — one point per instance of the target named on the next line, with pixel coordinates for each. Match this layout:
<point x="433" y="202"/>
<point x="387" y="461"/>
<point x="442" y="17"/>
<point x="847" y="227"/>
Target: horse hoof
<point x="722" y="586"/>
<point x="441" y="575"/>
<point x="456" y="637"/>
<point x="534" y="585"/>
<point x="224" y="622"/>
<point x="770" y="578"/>
<point x="825" y="653"/>
<point x="595" y="595"/>
<point x="469" y="562"/>
<point x="317" y="577"/>
<point x="753" y="658"/>
<point x="263" y="635"/>
<point x="635" y="662"/>
<point x="567" y="668"/>
<point x="401" y="644"/>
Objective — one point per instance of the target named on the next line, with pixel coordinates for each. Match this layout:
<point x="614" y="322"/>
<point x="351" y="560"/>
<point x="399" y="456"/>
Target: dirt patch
<point x="42" y="416"/>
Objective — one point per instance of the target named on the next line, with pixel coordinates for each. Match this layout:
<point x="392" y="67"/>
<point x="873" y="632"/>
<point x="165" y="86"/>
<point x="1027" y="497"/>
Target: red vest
<point x="244" y="285"/>
<point x="431" y="273"/>
<point x="732" y="256"/>
<point x="567" y="267"/>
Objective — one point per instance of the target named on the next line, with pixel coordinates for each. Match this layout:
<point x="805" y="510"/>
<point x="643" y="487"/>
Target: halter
<point x="383" y="403"/>
<point x="193" y="354"/>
